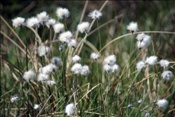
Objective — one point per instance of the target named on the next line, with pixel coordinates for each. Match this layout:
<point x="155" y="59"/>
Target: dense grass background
<point x="99" y="94"/>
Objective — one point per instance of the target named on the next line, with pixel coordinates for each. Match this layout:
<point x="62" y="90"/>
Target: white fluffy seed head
<point x="57" y="61"/>
<point x="85" y="70"/>
<point x="107" y="68"/>
<point x="76" y="68"/>
<point x="43" y="50"/>
<point x="140" y="65"/>
<point x="139" y="101"/>
<point x="95" y="14"/>
<point x="58" y="27"/>
<point x="111" y="59"/>
<point x="50" y="22"/>
<point x="33" y="22"/>
<point x="72" y="43"/>
<point x="143" y="40"/>
<point x="50" y="82"/>
<point x="147" y="114"/>
<point x="115" y="68"/>
<point x="62" y="13"/>
<point x="65" y="37"/>
<point x="42" y="17"/>
<point x="143" y="44"/>
<point x="152" y="60"/>
<point x="43" y="77"/>
<point x="17" y="22"/>
<point x="48" y="69"/>
<point x="94" y="56"/>
<point x="36" y="106"/>
<point x="76" y="59"/>
<point x="143" y="37"/>
<point x="162" y="103"/>
<point x="164" y="63"/>
<point x="70" y="109"/>
<point x="29" y="75"/>
<point x="61" y="47"/>
<point x="167" y="75"/>
<point x="140" y="37"/>
<point x="130" y="105"/>
<point x="111" y="68"/>
<point x="14" y="99"/>
<point x="132" y="27"/>
<point x="83" y="27"/>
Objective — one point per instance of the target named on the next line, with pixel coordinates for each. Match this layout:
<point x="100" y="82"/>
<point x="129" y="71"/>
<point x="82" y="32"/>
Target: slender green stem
<point x="82" y="16"/>
<point x="13" y="32"/>
<point x="99" y="36"/>
<point x="20" y="40"/>
<point x="13" y="42"/>
<point x="36" y="35"/>
<point x="91" y="46"/>
<point x="80" y="45"/>
<point x="101" y="26"/>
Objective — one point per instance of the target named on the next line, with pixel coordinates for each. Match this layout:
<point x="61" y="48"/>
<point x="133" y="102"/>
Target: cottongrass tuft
<point x="43" y="77"/>
<point x="14" y="99"/>
<point x="83" y="27"/>
<point x="107" y="68"/>
<point x="43" y="17"/>
<point x="164" y="63"/>
<point x="50" y="22"/>
<point x="43" y="50"/>
<point x="94" y="56"/>
<point x="58" y="27"/>
<point x="139" y="101"/>
<point x="147" y="114"/>
<point x="48" y="69"/>
<point x="61" y="47"/>
<point x="167" y="75"/>
<point x="81" y="91"/>
<point x="70" y="109"/>
<point x="129" y="105"/>
<point x="76" y="68"/>
<point x="152" y="60"/>
<point x="85" y="70"/>
<point x="76" y="59"/>
<point x="72" y="43"/>
<point x="50" y="82"/>
<point x="62" y="13"/>
<point x="140" y="66"/>
<point x="132" y="27"/>
<point x="109" y="64"/>
<point x="57" y="61"/>
<point x="95" y="14"/>
<point x="17" y="22"/>
<point x="143" y="40"/>
<point x="115" y="68"/>
<point x="29" y="75"/>
<point x="111" y="59"/>
<point x="162" y="103"/>
<point x="36" y="106"/>
<point x="33" y="22"/>
<point x="65" y="37"/>
<point x="111" y="68"/>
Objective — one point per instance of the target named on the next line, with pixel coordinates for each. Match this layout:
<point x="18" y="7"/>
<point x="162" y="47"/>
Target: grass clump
<point x="61" y="71"/>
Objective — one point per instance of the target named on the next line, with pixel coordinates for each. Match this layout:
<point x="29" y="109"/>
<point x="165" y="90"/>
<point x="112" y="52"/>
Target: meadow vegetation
<point x="106" y="58"/>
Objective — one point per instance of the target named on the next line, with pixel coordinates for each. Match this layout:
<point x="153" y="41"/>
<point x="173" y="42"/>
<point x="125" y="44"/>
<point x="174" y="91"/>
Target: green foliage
<point x="100" y="93"/>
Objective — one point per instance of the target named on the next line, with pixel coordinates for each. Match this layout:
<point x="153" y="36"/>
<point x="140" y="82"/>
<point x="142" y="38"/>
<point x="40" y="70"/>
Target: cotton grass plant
<point x="57" y="77"/>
